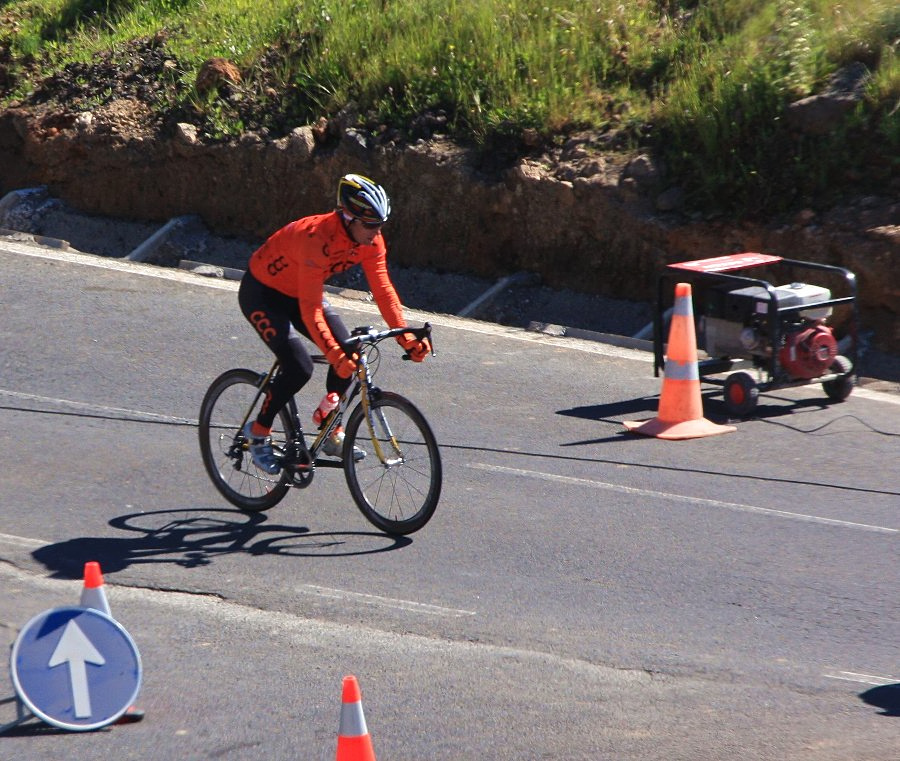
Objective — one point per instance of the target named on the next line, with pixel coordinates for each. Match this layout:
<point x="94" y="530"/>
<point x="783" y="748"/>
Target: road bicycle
<point x="396" y="483"/>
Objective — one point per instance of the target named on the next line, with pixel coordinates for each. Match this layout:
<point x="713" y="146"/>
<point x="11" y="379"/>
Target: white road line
<point x="118" y="265"/>
<point x="384" y="602"/>
<point x="850" y="676"/>
<point x="459" y="323"/>
<point x="682" y="498"/>
<point x="450" y="321"/>
<point x="312" y="633"/>
<point x="87" y="406"/>
<point x="22" y="541"/>
<point x="876" y="396"/>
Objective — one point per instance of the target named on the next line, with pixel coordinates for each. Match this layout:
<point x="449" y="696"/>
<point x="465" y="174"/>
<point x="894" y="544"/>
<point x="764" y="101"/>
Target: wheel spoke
<point x="397" y="494"/>
<point x="225" y="454"/>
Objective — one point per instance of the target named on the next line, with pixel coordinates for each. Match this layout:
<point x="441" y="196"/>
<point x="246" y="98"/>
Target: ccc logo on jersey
<point x="337" y="267"/>
<point x="339" y="260"/>
<point x="263" y="325"/>
<point x="276" y="266"/>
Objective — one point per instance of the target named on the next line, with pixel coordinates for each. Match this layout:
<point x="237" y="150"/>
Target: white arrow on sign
<point x="76" y="649"/>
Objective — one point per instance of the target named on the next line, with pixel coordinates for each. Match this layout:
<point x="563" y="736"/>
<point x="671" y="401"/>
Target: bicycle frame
<point x="303" y="461"/>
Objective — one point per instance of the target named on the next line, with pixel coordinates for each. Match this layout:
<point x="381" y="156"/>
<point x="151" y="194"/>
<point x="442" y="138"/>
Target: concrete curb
<point x="210" y="270"/>
<point x="40" y="240"/>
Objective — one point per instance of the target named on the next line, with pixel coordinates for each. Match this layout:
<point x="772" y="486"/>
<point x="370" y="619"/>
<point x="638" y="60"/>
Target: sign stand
<point x="22" y="713"/>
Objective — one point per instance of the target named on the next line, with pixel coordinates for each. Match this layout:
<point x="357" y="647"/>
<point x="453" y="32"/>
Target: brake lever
<point x="420" y="333"/>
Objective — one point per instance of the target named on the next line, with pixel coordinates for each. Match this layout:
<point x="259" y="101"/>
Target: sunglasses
<point x="371" y="225"/>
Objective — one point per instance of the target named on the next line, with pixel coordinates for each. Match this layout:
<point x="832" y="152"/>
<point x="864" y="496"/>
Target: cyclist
<point x="282" y="296"/>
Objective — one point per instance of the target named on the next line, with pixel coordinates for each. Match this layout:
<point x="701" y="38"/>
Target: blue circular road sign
<point x="76" y="668"/>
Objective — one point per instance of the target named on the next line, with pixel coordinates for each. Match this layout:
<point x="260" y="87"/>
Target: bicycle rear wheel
<point x="399" y="491"/>
<point x="224" y="448"/>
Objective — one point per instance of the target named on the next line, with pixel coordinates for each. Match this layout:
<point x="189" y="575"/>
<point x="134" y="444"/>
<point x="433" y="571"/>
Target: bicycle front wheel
<point x="224" y="448"/>
<point x="398" y="483"/>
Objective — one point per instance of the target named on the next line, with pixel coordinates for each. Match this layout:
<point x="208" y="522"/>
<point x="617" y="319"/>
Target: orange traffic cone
<point x="680" y="414"/>
<point x="92" y="595"/>
<point x="354" y="743"/>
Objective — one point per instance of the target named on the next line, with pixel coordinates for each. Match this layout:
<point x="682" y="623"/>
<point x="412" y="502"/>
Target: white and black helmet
<point x="363" y="199"/>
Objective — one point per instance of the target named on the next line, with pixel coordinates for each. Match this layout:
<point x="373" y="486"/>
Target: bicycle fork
<point x="378" y="424"/>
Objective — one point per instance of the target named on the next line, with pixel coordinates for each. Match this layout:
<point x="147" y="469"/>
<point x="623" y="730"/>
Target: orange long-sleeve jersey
<point x="297" y="260"/>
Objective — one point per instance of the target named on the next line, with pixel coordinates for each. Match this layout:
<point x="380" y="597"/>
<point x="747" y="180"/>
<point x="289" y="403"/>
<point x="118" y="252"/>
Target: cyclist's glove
<point x="342" y="364"/>
<point x="416" y="349"/>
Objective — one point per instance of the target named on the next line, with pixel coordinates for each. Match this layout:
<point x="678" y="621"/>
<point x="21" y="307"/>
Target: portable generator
<point x="781" y="332"/>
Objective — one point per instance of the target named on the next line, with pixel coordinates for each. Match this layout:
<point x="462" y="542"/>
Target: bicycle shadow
<point x="196" y="537"/>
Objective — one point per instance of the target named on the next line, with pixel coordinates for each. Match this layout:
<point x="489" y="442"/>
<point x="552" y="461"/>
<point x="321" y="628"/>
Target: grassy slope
<point x="703" y="84"/>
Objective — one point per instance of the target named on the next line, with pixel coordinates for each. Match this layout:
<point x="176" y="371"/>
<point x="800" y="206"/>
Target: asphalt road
<point x="581" y="593"/>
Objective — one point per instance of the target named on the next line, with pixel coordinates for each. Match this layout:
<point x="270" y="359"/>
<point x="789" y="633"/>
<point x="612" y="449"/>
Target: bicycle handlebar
<point x="369" y="335"/>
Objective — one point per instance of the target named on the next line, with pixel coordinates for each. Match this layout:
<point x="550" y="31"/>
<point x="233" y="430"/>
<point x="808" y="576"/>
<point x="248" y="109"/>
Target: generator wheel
<point x="840" y="388"/>
<point x="741" y="394"/>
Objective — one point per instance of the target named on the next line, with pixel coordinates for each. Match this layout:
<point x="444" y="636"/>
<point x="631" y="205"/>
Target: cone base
<point x="131" y="716"/>
<point x="355" y="749"/>
<point x="686" y="429"/>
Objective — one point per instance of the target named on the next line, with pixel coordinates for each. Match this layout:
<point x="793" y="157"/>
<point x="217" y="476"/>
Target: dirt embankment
<point x="584" y="220"/>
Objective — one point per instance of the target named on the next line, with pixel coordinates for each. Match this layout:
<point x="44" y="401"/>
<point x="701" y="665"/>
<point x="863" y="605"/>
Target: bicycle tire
<point x="400" y="496"/>
<point x="222" y="447"/>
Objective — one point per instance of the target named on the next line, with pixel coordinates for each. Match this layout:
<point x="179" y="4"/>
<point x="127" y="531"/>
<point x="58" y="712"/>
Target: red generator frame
<point x="741" y="388"/>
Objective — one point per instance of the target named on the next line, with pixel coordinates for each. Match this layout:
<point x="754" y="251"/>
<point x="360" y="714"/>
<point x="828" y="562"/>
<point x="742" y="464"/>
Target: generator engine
<point x="735" y="323"/>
